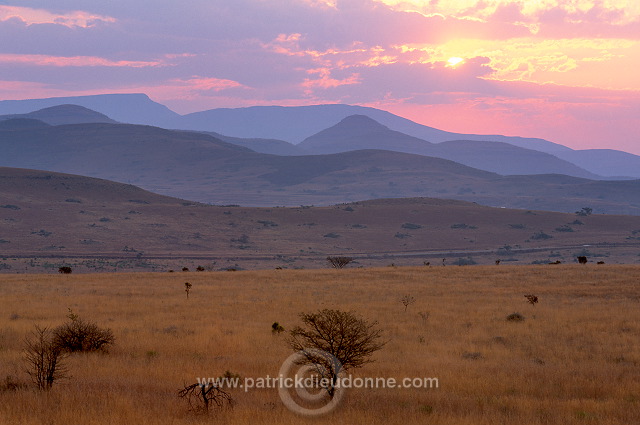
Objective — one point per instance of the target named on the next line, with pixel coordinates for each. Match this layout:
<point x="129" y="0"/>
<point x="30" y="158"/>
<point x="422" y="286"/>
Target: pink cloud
<point x="63" y="61"/>
<point x="39" y="16"/>
<point x="326" y="81"/>
<point x="206" y="84"/>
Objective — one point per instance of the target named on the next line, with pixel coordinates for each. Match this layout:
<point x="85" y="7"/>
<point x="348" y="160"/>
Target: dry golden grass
<point x="575" y="359"/>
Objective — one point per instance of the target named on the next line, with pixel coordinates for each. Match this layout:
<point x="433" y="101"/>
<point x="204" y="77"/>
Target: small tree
<point x="332" y="341"/>
<point x="407" y="300"/>
<point x="187" y="288"/>
<point x="201" y="397"/>
<point x="44" y="358"/>
<point x="339" y="262"/>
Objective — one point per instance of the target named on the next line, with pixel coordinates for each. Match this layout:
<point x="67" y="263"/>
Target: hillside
<point x="51" y="215"/>
<point x="202" y="168"/>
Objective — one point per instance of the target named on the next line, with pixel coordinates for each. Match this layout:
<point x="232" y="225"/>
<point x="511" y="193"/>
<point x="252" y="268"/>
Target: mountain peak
<point x="353" y="126"/>
<point x="359" y="132"/>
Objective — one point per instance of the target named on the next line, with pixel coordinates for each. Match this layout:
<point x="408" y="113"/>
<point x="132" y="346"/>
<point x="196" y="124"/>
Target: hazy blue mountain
<point x="361" y="132"/>
<point x="606" y="162"/>
<point x="294" y="124"/>
<point x="63" y="114"/>
<point x="21" y="124"/>
<point x="199" y="167"/>
<point x="270" y="146"/>
<point x="125" y="108"/>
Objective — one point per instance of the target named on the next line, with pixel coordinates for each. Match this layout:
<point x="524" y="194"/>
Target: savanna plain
<point x="574" y="359"/>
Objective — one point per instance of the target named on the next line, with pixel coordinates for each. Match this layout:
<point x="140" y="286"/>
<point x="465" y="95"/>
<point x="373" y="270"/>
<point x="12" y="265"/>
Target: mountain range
<point x="199" y="167"/>
<point x="279" y="130"/>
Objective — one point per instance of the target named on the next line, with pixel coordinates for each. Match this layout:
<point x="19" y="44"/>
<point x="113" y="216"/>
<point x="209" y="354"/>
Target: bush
<point x="80" y="336"/>
<point x="564" y="228"/>
<point x="540" y="236"/>
<point x="464" y="261"/>
<point x="276" y="328"/>
<point x="411" y="226"/>
<point x="515" y="317"/>
<point x="339" y="262"/>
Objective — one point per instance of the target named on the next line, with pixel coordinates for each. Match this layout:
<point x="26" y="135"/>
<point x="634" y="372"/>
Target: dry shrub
<point x="78" y="335"/>
<point x="515" y="317"/>
<point x="44" y="358"/>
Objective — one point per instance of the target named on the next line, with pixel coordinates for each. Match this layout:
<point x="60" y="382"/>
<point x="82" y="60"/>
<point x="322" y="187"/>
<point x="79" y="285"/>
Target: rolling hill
<point x="93" y="224"/>
<point x="203" y="168"/>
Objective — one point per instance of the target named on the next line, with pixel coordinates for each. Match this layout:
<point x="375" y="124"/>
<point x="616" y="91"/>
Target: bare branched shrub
<point x="78" y="335"/>
<point x="333" y="341"/>
<point x="44" y="358"/>
<point x="339" y="262"/>
<point x="407" y="300"/>
<point x="532" y="299"/>
<point x="187" y="288"/>
<point x="204" y="397"/>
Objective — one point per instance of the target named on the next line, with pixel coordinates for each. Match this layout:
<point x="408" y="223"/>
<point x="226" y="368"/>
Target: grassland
<point x="574" y="359"/>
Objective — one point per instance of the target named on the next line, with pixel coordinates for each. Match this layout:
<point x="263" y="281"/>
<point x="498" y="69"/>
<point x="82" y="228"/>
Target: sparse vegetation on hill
<point x="165" y="233"/>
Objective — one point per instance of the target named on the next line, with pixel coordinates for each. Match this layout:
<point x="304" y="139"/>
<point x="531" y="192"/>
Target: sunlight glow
<point x="452" y="62"/>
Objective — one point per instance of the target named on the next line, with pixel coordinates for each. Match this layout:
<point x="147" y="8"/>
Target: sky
<point x="566" y="71"/>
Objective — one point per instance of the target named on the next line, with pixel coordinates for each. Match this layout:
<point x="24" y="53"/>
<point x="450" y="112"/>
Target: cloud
<point x="76" y="61"/>
<point x="526" y="64"/>
<point x="70" y="19"/>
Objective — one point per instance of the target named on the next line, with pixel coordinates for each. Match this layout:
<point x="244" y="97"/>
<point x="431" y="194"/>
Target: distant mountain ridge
<point x="62" y="114"/>
<point x="199" y="167"/>
<point x="135" y="108"/>
<point x="362" y="132"/>
<point x="267" y="129"/>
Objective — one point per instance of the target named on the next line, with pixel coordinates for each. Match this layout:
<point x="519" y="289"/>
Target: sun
<point x="454" y="61"/>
